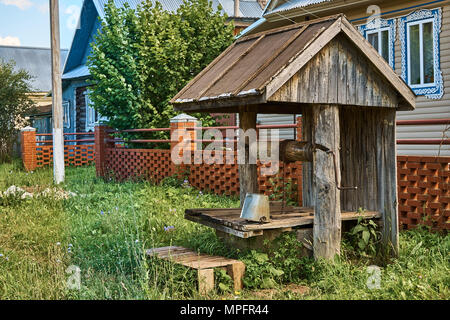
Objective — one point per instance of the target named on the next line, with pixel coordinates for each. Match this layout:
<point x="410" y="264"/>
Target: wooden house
<point x="82" y="117"/>
<point x="37" y="62"/>
<point x="414" y="38"/>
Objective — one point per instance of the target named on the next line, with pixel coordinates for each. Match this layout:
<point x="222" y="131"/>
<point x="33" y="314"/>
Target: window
<point x="66" y="109"/>
<point x="420" y="52"/>
<point x="381" y="35"/>
<point x="92" y="116"/>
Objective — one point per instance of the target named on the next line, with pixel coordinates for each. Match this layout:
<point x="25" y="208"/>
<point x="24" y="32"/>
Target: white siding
<point x="268" y="119"/>
<point x="428" y="108"/>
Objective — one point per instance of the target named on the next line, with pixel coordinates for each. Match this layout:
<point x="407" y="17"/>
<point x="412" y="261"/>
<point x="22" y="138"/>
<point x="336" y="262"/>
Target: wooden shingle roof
<point x="253" y="68"/>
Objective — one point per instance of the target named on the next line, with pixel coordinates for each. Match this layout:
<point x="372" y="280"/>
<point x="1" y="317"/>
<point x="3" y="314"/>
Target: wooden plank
<point x="205" y="281"/>
<point x="237" y="233"/>
<point x="327" y="217"/>
<point x="236" y="272"/>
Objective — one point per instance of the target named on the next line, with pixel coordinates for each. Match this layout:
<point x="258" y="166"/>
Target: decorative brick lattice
<point x="74" y="155"/>
<point x="149" y="164"/>
<point x="423" y="192"/>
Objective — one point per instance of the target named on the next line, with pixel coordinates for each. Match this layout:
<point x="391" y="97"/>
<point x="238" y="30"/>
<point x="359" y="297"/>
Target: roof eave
<point x="224" y="104"/>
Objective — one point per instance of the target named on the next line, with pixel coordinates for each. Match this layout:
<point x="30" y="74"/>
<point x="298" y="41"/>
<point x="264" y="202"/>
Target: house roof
<point x="248" y="8"/>
<point x="77" y="73"/>
<point x="253" y="68"/>
<point x="284" y="5"/>
<point x="92" y="9"/>
<point x="37" y="61"/>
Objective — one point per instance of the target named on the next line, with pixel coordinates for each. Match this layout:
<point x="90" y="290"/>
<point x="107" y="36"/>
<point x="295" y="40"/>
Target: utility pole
<point x="58" y="133"/>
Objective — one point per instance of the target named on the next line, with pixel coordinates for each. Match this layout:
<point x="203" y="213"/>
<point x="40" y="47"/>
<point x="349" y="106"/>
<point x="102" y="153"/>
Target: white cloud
<point x="21" y="4"/>
<point x="43" y="8"/>
<point x="10" y="41"/>
<point x="74" y="13"/>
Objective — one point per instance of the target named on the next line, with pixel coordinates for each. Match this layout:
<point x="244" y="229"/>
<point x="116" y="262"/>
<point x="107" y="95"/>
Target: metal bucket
<point x="256" y="208"/>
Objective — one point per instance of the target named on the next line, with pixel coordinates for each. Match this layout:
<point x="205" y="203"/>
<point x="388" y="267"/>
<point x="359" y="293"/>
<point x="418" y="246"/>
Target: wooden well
<point x="348" y="96"/>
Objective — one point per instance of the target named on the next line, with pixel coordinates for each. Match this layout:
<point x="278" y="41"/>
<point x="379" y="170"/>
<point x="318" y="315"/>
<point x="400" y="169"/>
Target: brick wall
<point x="74" y="155"/>
<point x="28" y="146"/>
<point x="423" y="192"/>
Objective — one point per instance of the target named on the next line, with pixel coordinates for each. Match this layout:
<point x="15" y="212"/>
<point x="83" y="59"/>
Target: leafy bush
<point x="260" y="271"/>
<point x="365" y="236"/>
<point x="14" y="105"/>
<point x="141" y="58"/>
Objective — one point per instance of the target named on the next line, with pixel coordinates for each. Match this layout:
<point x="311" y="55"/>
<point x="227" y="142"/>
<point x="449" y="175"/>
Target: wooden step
<point x="203" y="263"/>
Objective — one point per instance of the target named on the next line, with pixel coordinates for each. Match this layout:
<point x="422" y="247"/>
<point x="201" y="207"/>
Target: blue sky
<point x="27" y="22"/>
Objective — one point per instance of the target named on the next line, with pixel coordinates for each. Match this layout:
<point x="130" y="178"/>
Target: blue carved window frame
<point x="381" y="25"/>
<point x="435" y="90"/>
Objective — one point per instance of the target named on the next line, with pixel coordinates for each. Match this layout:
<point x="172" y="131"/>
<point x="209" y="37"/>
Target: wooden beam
<point x="387" y="181"/>
<point x="327" y="215"/>
<point x="248" y="173"/>
<point x="205" y="281"/>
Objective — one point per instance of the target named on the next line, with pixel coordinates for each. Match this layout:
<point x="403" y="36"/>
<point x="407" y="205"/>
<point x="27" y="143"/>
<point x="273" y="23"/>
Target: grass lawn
<point x="105" y="227"/>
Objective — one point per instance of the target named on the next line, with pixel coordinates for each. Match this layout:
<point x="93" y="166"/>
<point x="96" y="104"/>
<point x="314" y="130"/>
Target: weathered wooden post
<point x="327" y="217"/>
<point x="248" y="172"/>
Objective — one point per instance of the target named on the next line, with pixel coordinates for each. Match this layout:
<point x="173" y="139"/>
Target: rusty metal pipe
<point x="292" y="151"/>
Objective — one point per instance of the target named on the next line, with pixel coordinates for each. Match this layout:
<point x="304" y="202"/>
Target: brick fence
<point x="423" y="182"/>
<point x="39" y="153"/>
<point x="424" y="192"/>
<point x="156" y="164"/>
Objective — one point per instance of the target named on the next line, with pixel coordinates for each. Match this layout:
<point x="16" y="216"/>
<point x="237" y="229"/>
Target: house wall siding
<point x="425" y="108"/>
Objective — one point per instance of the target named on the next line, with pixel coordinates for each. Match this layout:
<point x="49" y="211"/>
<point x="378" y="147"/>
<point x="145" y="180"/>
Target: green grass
<point x="108" y="226"/>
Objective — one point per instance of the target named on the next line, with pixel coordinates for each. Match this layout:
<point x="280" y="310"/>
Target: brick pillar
<point x="101" y="144"/>
<point x="28" y="138"/>
<point x="181" y="123"/>
<point x="300" y="172"/>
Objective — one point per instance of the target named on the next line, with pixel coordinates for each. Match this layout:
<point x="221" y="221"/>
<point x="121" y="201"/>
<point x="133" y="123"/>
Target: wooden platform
<point x="229" y="221"/>
<point x="204" y="263"/>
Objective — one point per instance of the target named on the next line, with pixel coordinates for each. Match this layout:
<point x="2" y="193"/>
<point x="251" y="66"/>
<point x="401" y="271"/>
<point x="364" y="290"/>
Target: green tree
<point x="142" y="58"/>
<point x="14" y="105"/>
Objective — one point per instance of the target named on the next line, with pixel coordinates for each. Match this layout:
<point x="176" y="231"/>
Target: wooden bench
<point x="204" y="264"/>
